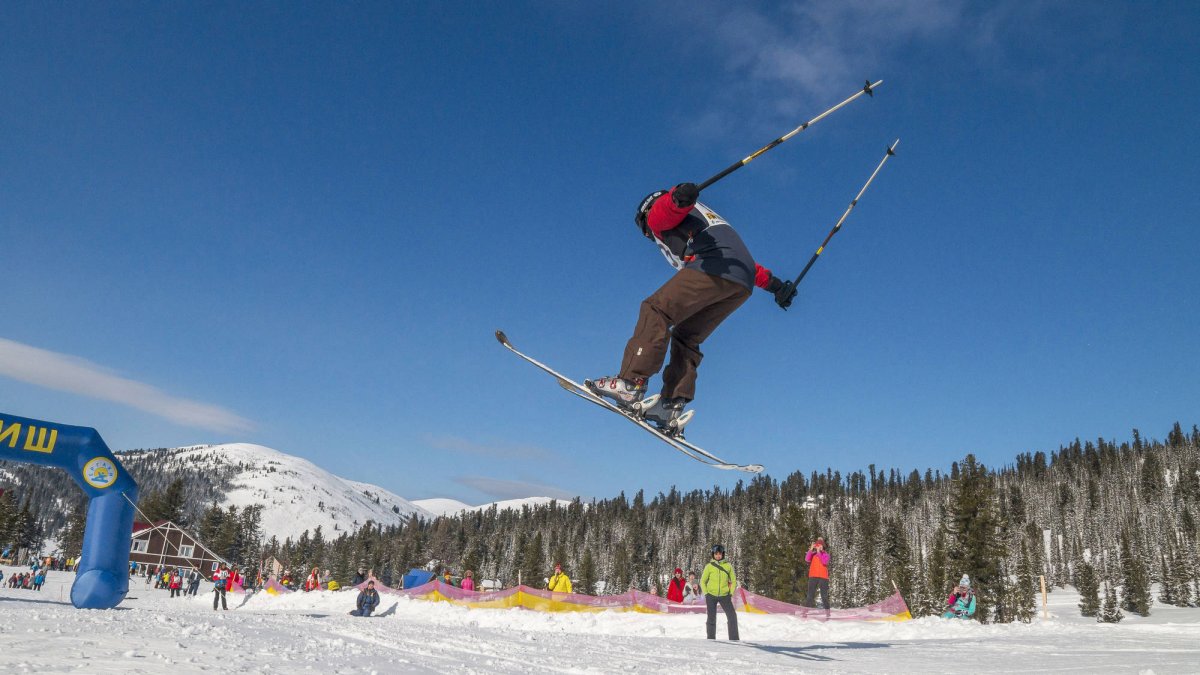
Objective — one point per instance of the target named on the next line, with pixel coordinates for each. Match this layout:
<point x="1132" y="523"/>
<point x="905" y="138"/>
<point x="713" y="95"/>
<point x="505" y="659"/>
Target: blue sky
<point x="298" y="224"/>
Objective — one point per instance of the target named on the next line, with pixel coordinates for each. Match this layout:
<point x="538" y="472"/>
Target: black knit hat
<point x="644" y="209"/>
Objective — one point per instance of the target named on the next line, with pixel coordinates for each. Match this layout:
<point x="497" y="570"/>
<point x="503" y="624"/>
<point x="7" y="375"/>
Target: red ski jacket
<point x="714" y="246"/>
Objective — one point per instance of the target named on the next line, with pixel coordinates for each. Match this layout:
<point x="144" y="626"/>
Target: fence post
<point x="1045" y="610"/>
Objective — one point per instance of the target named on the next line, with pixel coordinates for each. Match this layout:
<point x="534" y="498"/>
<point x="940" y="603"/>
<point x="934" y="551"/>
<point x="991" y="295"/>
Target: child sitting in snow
<point x="368" y="600"/>
<point x="961" y="602"/>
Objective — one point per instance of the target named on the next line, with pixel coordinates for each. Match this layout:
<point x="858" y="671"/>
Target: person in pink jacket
<point x="468" y="582"/>
<point x="818" y="573"/>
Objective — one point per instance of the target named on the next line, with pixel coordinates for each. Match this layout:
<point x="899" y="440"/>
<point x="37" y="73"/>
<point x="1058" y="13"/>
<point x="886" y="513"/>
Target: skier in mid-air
<point x="716" y="274"/>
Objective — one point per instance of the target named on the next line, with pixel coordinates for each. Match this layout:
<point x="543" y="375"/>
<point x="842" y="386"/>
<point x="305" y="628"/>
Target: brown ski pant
<point x="683" y="313"/>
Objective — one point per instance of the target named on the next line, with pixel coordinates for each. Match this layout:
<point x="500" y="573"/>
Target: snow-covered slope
<point x="296" y="494"/>
<point x="441" y="506"/>
<point x="152" y="633"/>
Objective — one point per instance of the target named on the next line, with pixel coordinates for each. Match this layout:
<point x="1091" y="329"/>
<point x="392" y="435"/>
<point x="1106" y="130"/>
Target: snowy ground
<point x="151" y="633"/>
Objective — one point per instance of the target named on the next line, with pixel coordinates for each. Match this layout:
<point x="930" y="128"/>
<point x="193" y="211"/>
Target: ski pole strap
<point x="867" y="89"/>
<point x="854" y="202"/>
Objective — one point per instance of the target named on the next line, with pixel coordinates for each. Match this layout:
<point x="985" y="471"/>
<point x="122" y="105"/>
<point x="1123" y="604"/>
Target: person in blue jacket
<point x="368" y="600"/>
<point x="961" y="602"/>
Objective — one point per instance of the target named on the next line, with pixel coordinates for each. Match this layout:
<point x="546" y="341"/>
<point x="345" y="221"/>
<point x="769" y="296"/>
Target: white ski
<point x="695" y="452"/>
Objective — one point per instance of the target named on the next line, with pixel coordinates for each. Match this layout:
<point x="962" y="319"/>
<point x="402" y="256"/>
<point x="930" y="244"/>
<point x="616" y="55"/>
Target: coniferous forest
<point x="1099" y="515"/>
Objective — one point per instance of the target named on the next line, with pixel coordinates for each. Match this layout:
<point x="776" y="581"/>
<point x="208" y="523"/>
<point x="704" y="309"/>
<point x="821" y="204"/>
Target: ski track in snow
<point x="40" y="632"/>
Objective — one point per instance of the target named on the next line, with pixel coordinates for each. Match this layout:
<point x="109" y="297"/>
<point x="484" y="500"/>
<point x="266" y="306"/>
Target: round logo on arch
<point x="100" y="472"/>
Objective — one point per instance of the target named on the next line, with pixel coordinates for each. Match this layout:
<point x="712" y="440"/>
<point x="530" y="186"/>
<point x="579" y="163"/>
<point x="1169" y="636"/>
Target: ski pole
<point x="869" y="90"/>
<point x="890" y="151"/>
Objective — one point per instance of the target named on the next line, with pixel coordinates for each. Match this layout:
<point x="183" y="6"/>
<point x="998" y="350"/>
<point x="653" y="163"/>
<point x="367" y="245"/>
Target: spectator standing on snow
<point x="446" y="578"/>
<point x="39" y="579"/>
<point x="313" y="582"/>
<point x="468" y="582"/>
<point x="236" y="580"/>
<point x="559" y="582"/>
<point x="220" y="586"/>
<point x="675" y="586"/>
<point x="176" y="583"/>
<point x="961" y="602"/>
<point x="718" y="582"/>
<point x="691" y="591"/>
<point x="193" y="582"/>
<point x="818" y="573"/>
<point x="368" y="600"/>
<point x="359" y="577"/>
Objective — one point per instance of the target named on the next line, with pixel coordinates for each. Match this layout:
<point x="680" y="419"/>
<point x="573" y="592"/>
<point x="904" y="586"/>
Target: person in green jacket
<point x="718" y="582"/>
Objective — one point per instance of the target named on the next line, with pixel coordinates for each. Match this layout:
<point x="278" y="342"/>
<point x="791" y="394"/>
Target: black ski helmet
<point x="717" y="548"/>
<point x="644" y="209"/>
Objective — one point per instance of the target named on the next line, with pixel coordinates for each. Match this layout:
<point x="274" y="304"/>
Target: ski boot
<point x="626" y="394"/>
<point x="667" y="414"/>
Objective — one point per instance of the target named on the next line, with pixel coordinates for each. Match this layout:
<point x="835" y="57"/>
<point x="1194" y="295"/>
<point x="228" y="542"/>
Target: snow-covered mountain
<point x="441" y="506"/>
<point x="296" y="495"/>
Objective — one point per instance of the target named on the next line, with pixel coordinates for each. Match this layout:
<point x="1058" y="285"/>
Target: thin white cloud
<point x="781" y="57"/>
<point x="815" y="46"/>
<point x="511" y="489"/>
<point x="462" y="445"/>
<point x="72" y="374"/>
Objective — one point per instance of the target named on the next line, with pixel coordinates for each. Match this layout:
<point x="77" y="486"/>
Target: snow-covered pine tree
<point x="974" y="531"/>
<point x="533" y="570"/>
<point x="936" y="577"/>
<point x="1177" y="575"/>
<point x="1025" y="592"/>
<point x="211" y="524"/>
<point x="787" y="544"/>
<point x="1089" y="589"/>
<point x="1003" y="598"/>
<point x="1135" y="596"/>
<point x="898" y="565"/>
<point x="72" y="541"/>
<point x="1166" y="591"/>
<point x="1111" y="613"/>
<point x="586" y="578"/>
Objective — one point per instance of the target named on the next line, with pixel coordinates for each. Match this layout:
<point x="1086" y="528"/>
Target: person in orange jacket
<point x="818" y="573"/>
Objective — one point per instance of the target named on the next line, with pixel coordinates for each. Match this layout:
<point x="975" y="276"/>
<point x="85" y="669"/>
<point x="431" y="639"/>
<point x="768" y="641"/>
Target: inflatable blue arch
<point x="102" y="579"/>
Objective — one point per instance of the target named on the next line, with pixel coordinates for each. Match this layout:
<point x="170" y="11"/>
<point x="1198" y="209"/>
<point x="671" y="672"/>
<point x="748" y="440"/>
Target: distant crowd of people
<point x="30" y="581"/>
<point x="179" y="581"/>
<point x="35" y="578"/>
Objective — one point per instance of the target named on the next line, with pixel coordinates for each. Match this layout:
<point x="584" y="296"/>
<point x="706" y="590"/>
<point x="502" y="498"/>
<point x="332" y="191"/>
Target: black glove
<point x="784" y="291"/>
<point x="685" y="195"/>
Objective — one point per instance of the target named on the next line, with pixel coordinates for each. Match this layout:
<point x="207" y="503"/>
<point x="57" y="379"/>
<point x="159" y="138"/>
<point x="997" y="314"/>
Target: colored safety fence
<point x="892" y="608"/>
<point x="273" y="587"/>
